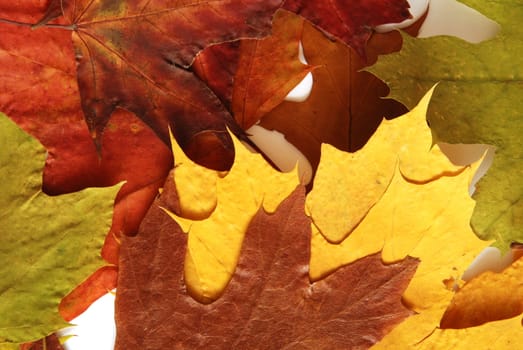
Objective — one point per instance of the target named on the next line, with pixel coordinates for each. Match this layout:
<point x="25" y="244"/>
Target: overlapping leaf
<point x="403" y="143"/>
<point x="230" y="203"/>
<point x="478" y="100"/>
<point x="216" y="66"/>
<point x="351" y="21"/>
<point x="269" y="302"/>
<point x="415" y="213"/>
<point x="134" y="55"/>
<point x="345" y="106"/>
<point x="489" y="297"/>
<point x="411" y="180"/>
<point x="38" y="89"/>
<point x="48" y="343"/>
<point x="500" y="335"/>
<point x="48" y="244"/>
<point x="268" y="69"/>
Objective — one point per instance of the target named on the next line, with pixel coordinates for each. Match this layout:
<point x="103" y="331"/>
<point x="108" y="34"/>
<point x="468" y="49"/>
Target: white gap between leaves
<point x="95" y="328"/>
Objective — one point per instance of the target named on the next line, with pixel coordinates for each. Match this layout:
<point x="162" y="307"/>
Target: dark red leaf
<point x="346" y="104"/>
<point x="216" y="66"/>
<point x="50" y="342"/>
<point x="350" y="20"/>
<point x="136" y="57"/>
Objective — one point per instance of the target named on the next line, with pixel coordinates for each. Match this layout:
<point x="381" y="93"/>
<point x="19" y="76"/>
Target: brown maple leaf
<point x="269" y="303"/>
<point x="345" y="106"/>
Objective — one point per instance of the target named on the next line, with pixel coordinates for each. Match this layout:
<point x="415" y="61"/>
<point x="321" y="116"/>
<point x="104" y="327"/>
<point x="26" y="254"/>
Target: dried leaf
<point x="345" y="105"/>
<point x="425" y="219"/>
<point x="350" y="21"/>
<point x="250" y="184"/>
<point x="148" y="46"/>
<point x="268" y="70"/>
<point x="48" y="343"/>
<point x="216" y="66"/>
<point x="101" y="281"/>
<point x="348" y="185"/>
<point x="269" y="302"/>
<point x="478" y="100"/>
<point x="489" y="297"/>
<point x="39" y="91"/>
<point x="500" y="335"/>
<point x="53" y="242"/>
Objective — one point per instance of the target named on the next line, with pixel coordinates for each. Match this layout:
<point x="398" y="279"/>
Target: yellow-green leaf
<point x="48" y="245"/>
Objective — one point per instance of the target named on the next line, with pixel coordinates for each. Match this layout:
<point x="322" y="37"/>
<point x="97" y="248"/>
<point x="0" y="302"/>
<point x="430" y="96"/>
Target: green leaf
<point x="479" y="99"/>
<point x="48" y="245"/>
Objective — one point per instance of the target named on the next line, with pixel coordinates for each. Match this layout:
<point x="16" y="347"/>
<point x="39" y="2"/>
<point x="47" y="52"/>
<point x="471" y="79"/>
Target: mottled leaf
<point x="39" y="91"/>
<point x="230" y="203"/>
<point x="135" y="55"/>
<point x="426" y="219"/>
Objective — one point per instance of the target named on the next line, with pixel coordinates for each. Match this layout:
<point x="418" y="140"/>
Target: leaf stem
<point x="33" y="26"/>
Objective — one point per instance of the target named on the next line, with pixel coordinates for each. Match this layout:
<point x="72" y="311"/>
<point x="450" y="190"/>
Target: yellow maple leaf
<point x="348" y="185"/>
<point x="423" y="212"/>
<point x="214" y="243"/>
<point x="198" y="196"/>
<point x="499" y="335"/>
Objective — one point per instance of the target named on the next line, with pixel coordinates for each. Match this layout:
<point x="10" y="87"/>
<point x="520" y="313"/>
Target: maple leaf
<point x="207" y="194"/>
<point x="420" y="205"/>
<point x="500" y="335"/>
<point x="488" y="297"/>
<point x="135" y="56"/>
<point x="487" y="79"/>
<point x="91" y="289"/>
<point x="259" y="84"/>
<point x="216" y="66"/>
<point x="68" y="228"/>
<point x="402" y="143"/>
<point x="269" y="302"/>
<point x="345" y="105"/>
<point x="39" y="92"/>
<point x="350" y="21"/>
